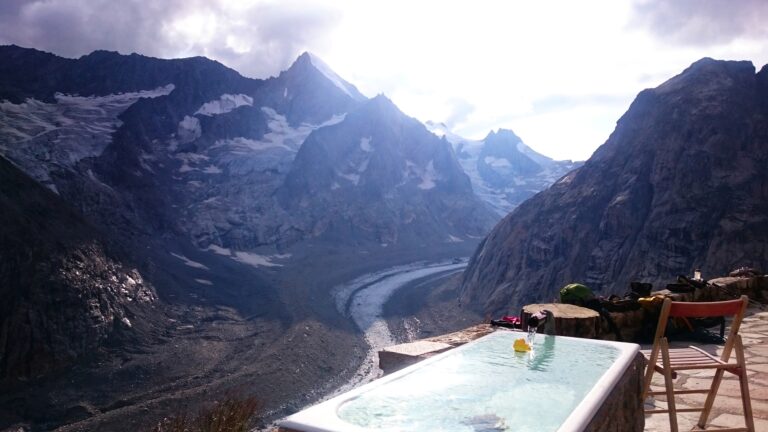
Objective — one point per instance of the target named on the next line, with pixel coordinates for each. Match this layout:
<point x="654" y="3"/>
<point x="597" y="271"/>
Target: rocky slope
<point x="681" y="183"/>
<point x="64" y="290"/>
<point x="503" y="170"/>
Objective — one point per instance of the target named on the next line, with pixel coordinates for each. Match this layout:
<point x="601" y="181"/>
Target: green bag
<point x="576" y="294"/>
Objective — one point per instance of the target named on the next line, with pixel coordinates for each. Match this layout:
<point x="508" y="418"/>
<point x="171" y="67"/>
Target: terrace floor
<point x="727" y="411"/>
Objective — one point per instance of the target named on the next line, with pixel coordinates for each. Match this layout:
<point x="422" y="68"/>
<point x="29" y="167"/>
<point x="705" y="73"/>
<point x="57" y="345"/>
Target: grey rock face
<point x="681" y="183"/>
<point x="63" y="292"/>
<point x="380" y="176"/>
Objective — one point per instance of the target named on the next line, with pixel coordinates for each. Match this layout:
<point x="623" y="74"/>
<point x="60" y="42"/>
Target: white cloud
<point x="559" y="73"/>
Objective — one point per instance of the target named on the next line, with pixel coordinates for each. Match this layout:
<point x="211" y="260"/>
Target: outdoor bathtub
<point x="563" y="385"/>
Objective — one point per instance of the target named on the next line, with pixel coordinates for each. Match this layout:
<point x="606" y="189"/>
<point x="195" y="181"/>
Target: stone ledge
<point x="396" y="357"/>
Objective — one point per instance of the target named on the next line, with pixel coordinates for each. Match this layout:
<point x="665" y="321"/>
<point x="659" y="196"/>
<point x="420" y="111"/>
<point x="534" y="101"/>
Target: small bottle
<point x="696" y="274"/>
<point x="537" y="319"/>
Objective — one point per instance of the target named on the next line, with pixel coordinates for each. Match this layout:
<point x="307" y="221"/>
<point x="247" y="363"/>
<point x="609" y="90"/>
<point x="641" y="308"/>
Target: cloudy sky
<point x="559" y="73"/>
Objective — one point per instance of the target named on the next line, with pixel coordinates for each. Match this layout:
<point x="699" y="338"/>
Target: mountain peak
<point x="382" y="105"/>
<point x="503" y="134"/>
<point x="310" y="62"/>
<point x="301" y="60"/>
<point x="708" y="73"/>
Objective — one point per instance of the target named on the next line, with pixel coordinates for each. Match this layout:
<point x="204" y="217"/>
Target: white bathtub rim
<point x="326" y="413"/>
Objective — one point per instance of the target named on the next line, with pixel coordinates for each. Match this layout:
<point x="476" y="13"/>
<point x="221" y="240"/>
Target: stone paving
<point x="727" y="411"/>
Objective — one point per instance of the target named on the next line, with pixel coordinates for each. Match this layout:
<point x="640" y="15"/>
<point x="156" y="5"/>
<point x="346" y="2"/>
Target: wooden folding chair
<point x="692" y="358"/>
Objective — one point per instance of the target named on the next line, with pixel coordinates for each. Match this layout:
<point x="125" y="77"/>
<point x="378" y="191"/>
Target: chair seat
<point x="691" y="358"/>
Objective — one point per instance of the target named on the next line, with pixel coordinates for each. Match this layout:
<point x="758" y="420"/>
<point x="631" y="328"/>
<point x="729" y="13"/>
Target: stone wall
<point x="623" y="408"/>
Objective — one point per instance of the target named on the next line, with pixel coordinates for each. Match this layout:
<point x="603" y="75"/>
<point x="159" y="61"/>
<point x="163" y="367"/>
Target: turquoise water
<point x="487" y="387"/>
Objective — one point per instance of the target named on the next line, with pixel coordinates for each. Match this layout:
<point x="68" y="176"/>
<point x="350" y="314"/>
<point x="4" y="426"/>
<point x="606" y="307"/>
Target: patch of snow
<point x="204" y="281"/>
<point x="255" y="260"/>
<point x="188" y="130"/>
<point x="534" y="155"/>
<point x="620" y="198"/>
<point x="189" y="262"/>
<point x="365" y="144"/>
<point x="363" y="165"/>
<point x="212" y="169"/>
<point x="428" y="177"/>
<point x="249" y="258"/>
<point x="245" y="145"/>
<point x="567" y="178"/>
<point x="454" y="239"/>
<point x="354" y="178"/>
<point x="218" y="249"/>
<point x="285" y="93"/>
<point x="280" y="135"/>
<point x="441" y="130"/>
<point x="331" y="75"/>
<point x="224" y="104"/>
<point x="143" y="158"/>
<point x="497" y="162"/>
<point x="189" y="159"/>
<point x="335" y="185"/>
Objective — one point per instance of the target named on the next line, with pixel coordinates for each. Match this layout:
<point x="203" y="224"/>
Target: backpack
<point x="576" y="294"/>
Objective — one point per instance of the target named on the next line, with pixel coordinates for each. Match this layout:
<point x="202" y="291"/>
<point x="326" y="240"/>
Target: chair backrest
<point x="735" y="308"/>
<point x="706" y="309"/>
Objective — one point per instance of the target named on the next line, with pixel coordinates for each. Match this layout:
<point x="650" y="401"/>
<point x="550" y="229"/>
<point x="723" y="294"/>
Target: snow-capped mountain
<point x="392" y="174"/>
<point x="504" y="171"/>
<point x="205" y="177"/>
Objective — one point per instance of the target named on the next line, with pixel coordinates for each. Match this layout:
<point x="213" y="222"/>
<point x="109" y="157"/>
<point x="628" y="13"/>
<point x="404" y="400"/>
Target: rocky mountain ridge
<point x="678" y="185"/>
<point x="217" y="144"/>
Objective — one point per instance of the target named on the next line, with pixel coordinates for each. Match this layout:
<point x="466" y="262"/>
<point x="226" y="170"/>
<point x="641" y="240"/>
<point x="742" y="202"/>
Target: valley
<point x="207" y="349"/>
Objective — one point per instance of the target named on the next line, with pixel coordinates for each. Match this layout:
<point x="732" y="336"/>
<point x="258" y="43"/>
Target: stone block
<point x="396" y="357"/>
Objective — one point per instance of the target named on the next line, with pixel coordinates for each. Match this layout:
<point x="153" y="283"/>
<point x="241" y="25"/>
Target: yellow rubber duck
<point x="521" y="345"/>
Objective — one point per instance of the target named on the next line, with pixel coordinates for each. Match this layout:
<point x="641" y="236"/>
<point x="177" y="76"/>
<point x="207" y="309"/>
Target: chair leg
<point x="743" y="384"/>
<point x="649" y="374"/>
<point x="669" y="386"/>
<point x="710" y="401"/>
